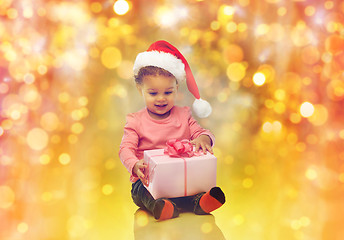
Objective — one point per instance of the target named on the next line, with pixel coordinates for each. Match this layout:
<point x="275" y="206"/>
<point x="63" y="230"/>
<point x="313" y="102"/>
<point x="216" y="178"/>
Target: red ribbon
<point x="176" y="148"/>
<point x="180" y="149"/>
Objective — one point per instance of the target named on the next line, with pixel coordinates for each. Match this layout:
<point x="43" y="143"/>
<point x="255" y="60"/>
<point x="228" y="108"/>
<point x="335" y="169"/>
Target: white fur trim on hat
<point x="163" y="60"/>
<point x="202" y="108"/>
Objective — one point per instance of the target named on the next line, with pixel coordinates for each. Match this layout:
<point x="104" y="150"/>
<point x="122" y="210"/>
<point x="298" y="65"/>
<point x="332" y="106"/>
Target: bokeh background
<point x="272" y="70"/>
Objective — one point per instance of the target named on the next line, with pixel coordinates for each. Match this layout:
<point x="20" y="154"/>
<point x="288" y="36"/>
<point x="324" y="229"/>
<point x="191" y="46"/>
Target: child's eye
<point x="152" y="93"/>
<point x="168" y="93"/>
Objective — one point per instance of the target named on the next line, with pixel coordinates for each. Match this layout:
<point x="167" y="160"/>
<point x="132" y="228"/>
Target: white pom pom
<point x="202" y="108"/>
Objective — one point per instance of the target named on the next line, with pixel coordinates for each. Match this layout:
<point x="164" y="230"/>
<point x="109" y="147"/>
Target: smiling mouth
<point x="161" y="106"/>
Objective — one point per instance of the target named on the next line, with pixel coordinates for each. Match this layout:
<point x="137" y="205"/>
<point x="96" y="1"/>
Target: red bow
<point x="176" y="148"/>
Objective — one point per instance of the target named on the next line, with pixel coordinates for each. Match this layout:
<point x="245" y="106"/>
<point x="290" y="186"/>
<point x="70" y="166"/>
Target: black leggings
<point x="145" y="200"/>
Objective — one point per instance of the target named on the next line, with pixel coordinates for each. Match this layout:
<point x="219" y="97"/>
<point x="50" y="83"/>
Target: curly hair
<point x="151" y="71"/>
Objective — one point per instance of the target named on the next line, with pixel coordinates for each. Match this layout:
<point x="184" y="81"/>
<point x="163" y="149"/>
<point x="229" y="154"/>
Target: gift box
<point x="178" y="176"/>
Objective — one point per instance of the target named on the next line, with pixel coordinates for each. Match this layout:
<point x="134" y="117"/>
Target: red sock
<point x="209" y="203"/>
<point x="167" y="211"/>
<point x="164" y="209"/>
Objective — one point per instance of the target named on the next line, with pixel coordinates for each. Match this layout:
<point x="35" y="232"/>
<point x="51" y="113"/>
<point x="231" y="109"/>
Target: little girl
<point x="158" y="72"/>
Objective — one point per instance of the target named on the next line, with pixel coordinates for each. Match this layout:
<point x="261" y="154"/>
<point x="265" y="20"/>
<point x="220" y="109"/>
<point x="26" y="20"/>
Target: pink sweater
<point x="142" y="132"/>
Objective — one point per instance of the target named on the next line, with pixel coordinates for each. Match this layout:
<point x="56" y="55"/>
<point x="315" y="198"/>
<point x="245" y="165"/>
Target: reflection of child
<point x="158" y="72"/>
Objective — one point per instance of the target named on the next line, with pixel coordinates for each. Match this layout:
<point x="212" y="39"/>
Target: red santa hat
<point x="164" y="55"/>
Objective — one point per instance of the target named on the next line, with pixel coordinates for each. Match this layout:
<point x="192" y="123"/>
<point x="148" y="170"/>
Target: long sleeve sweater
<point x="142" y="132"/>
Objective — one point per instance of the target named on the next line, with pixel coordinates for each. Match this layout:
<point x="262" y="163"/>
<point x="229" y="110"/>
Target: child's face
<point x="159" y="93"/>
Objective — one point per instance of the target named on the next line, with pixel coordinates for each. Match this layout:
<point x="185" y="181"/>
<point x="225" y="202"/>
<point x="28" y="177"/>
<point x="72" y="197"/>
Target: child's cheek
<point x="150" y="98"/>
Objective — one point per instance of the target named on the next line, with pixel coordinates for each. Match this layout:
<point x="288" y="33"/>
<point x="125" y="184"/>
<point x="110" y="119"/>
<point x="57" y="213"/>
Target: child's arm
<point x="128" y="148"/>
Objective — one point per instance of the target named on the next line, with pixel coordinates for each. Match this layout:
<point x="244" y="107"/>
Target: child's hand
<point x="203" y="142"/>
<point x="138" y="169"/>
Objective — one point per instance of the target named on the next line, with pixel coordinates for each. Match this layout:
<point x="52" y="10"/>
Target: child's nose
<point x="161" y="98"/>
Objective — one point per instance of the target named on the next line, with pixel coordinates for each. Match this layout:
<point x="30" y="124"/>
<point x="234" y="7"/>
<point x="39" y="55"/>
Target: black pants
<point x="145" y="200"/>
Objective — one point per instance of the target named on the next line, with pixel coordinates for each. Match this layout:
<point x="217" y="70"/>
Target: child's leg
<point x="184" y="203"/>
<point x="205" y="203"/>
<point x="141" y="196"/>
<point x="161" y="208"/>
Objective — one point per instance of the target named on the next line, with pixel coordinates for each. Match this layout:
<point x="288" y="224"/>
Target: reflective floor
<point x="186" y="226"/>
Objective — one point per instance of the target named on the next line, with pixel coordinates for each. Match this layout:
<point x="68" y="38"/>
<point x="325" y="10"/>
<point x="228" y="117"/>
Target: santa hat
<point x="164" y="55"/>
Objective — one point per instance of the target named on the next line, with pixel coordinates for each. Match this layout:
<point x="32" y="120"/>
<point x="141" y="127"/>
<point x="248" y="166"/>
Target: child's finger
<point x="145" y="182"/>
<point x="140" y="174"/>
<point x="209" y="148"/>
<point x="204" y="148"/>
<point x="197" y="147"/>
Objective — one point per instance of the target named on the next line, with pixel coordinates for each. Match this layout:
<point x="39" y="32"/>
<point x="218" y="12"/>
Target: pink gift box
<point x="179" y="176"/>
